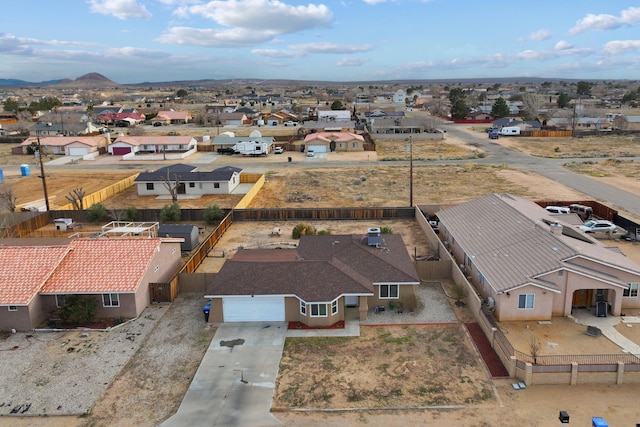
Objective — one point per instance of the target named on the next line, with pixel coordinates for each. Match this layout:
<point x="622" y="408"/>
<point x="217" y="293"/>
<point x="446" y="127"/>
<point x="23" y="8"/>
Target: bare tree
<point x="8" y="199"/>
<point x="76" y="198"/>
<point x="534" y="348"/>
<point x="136" y="131"/>
<point x="532" y="104"/>
<point x="172" y="183"/>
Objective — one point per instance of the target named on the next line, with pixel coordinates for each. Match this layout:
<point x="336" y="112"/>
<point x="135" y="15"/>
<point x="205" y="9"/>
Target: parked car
<point x="290" y="123"/>
<point x="583" y="211"/>
<point x="599" y="226"/>
<point x="310" y="153"/>
<point x="278" y="150"/>
<point x="493" y="129"/>
<point x="557" y="209"/>
<point x="494" y="135"/>
<point x="226" y="150"/>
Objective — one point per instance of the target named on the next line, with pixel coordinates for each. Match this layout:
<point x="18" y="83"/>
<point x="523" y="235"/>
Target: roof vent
<point x="374" y="236"/>
<point x="555" y="228"/>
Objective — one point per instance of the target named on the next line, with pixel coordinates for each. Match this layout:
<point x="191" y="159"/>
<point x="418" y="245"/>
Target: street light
<point x="410" y="171"/>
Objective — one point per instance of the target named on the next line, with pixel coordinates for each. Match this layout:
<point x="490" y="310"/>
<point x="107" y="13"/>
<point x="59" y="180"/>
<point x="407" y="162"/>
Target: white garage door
<point x="318" y="148"/>
<point x="78" y="151"/>
<point x="253" y="309"/>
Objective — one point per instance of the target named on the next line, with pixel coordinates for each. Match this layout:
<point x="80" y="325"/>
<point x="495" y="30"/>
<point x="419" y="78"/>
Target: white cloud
<point x="373" y="2"/>
<point x="121" y="9"/>
<point x="261" y="15"/>
<point x="273" y="53"/>
<point x="21" y="45"/>
<point x="351" y="62"/>
<point x="591" y="22"/>
<point x="539" y="35"/>
<point x="214" y="38"/>
<point x="563" y="45"/>
<point x="331" y="48"/>
<point x="617" y="47"/>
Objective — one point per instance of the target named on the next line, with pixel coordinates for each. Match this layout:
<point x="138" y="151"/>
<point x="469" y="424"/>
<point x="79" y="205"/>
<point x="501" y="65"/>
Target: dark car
<point x="226" y="150"/>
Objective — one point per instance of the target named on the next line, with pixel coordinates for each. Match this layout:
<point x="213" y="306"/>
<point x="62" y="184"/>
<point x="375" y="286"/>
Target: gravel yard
<point x="67" y="373"/>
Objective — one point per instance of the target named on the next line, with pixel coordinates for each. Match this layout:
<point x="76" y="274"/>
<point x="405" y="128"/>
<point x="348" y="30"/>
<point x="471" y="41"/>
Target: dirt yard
<point x="395" y="366"/>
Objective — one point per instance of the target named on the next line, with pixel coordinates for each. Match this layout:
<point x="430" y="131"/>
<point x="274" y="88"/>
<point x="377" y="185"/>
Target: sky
<point x="135" y="41"/>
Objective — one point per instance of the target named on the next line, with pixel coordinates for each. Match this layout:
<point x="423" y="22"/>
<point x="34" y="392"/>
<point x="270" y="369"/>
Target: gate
<point x="160" y="292"/>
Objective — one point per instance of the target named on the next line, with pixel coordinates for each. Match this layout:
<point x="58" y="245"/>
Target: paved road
<point x="497" y="155"/>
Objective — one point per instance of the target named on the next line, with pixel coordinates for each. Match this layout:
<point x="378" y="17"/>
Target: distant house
<point x="230" y="119"/>
<point x="324" y="142"/>
<point x="227" y="141"/>
<point x="67" y="145"/>
<point x="315" y="283"/>
<point x="172" y="118"/>
<point x="151" y="144"/>
<point x="115" y="272"/>
<point x="530" y="265"/>
<point x="124" y="119"/>
<point x="190" y="180"/>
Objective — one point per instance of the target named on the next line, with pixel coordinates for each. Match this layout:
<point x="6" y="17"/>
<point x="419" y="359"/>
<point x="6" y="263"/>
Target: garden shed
<point x="187" y="232"/>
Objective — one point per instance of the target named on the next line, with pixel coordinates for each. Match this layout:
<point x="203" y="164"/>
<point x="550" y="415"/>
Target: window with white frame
<point x="216" y="185"/>
<point x="631" y="291"/>
<point x="149" y="185"/>
<point x="303" y="308"/>
<point x="334" y="307"/>
<point x="525" y="301"/>
<point x="110" y="300"/>
<point x="61" y="300"/>
<point x="388" y="291"/>
<point x="318" y="310"/>
<point x="13" y="308"/>
<point x="192" y="185"/>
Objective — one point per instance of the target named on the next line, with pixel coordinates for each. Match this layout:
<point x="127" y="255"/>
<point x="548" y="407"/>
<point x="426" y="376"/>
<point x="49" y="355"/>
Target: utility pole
<point x="42" y="175"/>
<point x="410" y="171"/>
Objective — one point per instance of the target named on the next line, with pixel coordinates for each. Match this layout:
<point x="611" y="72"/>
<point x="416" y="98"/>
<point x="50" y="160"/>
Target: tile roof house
<point x="191" y="181"/>
<point x="172" y="117"/>
<point x="530" y="265"/>
<point x="314" y="283"/>
<point x="116" y="272"/>
<point x="67" y="145"/>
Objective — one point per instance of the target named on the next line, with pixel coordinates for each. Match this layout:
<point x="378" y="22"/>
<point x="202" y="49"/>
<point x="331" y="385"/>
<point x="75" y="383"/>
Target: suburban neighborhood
<point x="280" y="220"/>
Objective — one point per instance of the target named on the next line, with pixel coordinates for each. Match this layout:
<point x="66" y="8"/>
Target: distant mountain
<point x="16" y="82"/>
<point x="89" y="80"/>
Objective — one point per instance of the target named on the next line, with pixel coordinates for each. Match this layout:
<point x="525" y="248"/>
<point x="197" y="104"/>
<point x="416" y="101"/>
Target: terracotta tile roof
<point x="172" y="115"/>
<point x="156" y="140"/>
<point x="25" y="270"/>
<point x="103" y="266"/>
<point x="333" y="136"/>
<point x="61" y="141"/>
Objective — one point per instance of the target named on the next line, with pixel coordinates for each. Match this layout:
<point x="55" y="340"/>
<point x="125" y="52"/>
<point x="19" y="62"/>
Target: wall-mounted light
<point x="508" y="294"/>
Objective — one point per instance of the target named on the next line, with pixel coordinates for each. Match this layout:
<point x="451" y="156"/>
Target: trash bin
<point x="206" y="310"/>
<point x="289" y="158"/>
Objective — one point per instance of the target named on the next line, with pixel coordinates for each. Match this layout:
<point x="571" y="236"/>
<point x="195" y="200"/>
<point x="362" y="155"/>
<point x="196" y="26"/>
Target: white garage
<point x="78" y="151"/>
<point x="317" y="148"/>
<point x="253" y="308"/>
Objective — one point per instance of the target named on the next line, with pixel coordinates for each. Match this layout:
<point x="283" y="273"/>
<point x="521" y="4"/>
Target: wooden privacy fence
<point x="104" y="194"/>
<point x="322" y="213"/>
<point x="550" y="133"/>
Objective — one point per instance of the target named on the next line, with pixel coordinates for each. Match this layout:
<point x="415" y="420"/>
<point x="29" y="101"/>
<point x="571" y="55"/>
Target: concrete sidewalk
<point x="606" y="325"/>
<point x="235" y="382"/>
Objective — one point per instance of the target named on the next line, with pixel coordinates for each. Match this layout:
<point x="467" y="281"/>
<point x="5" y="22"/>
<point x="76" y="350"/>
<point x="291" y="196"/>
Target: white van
<point x="557" y="210"/>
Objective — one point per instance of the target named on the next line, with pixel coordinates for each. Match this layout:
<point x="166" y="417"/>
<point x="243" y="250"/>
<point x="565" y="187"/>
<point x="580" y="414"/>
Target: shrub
<point x="97" y="213"/>
<point x="213" y="214"/>
<point x="130" y="213"/>
<point x="170" y="213"/>
<point x="77" y="309"/>
<point x="324" y="232"/>
<point x="303" y="229"/>
<point x="386" y="230"/>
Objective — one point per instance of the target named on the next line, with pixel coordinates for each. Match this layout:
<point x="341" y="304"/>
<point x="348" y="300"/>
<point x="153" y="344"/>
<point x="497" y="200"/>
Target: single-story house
<point x="151" y="144"/>
<point x="190" y="180"/>
<point x="115" y="272"/>
<point x="228" y="119"/>
<point x="67" y="145"/>
<point x="172" y="118"/>
<point x="314" y="283"/>
<point x="530" y="265"/>
<point x="225" y="140"/>
<point x="190" y="234"/>
<point x="324" y="142"/>
<point x="130" y="118"/>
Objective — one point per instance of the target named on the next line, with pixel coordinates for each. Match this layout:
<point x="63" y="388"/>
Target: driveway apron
<point x="235" y="382"/>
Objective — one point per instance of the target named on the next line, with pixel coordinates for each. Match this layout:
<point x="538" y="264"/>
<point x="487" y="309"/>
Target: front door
<point x="582" y="297"/>
<point x="182" y="189"/>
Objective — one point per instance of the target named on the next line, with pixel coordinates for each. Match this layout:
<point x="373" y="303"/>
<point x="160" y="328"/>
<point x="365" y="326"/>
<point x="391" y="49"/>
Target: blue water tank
<point x="1" y="176"/>
<point x="24" y="170"/>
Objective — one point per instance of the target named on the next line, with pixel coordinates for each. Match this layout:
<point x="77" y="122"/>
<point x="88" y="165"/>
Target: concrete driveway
<point x="235" y="382"/>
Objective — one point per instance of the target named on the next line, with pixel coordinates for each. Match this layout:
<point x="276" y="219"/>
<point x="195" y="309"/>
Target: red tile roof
<point x="25" y="270"/>
<point x="103" y="266"/>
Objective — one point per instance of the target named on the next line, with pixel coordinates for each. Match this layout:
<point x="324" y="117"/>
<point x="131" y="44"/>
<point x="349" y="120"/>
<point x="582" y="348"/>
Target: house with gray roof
<point x="314" y="283"/>
<point x="189" y="180"/>
<point x="530" y="265"/>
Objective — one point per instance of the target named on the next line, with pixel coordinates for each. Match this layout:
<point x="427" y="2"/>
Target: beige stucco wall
<point x="507" y="305"/>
